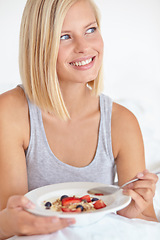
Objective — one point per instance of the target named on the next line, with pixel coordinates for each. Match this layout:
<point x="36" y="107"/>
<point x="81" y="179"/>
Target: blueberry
<point x="63" y="196"/>
<point x="80" y="206"/>
<point x="94" y="199"/>
<point x="48" y="205"/>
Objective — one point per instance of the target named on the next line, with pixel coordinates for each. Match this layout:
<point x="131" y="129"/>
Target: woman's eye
<point x="91" y="30"/>
<point x="65" y="37"/>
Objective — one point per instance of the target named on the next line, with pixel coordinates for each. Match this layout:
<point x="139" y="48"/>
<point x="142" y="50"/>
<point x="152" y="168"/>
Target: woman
<point x="60" y="106"/>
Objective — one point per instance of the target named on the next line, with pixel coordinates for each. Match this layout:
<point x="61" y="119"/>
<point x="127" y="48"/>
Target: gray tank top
<point x="44" y="168"/>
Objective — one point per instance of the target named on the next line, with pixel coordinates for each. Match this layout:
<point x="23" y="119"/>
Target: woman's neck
<point x="76" y="98"/>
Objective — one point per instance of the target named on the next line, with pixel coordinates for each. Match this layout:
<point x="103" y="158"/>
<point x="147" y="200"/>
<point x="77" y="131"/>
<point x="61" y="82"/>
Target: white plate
<point x="114" y="202"/>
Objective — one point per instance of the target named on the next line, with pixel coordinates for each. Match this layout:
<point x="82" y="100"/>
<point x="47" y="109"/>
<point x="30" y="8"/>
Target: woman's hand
<point x="141" y="192"/>
<point x="14" y="220"/>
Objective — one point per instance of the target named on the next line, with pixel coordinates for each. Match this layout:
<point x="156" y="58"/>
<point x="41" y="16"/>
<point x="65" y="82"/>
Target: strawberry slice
<point x="65" y="209"/>
<point x="99" y="194"/>
<point x="86" y="197"/>
<point x="99" y="204"/>
<point x="70" y="200"/>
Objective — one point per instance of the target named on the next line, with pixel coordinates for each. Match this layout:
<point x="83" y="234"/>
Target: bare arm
<point x="14" y="135"/>
<point x="130" y="160"/>
<point x="15" y="221"/>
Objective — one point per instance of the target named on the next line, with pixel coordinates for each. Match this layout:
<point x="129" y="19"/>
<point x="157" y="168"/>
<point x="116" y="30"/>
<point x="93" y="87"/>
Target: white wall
<point x="131" y="32"/>
<point x="10" y="17"/>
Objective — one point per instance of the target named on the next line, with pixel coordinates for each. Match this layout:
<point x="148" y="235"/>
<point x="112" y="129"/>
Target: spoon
<point x="110" y="189"/>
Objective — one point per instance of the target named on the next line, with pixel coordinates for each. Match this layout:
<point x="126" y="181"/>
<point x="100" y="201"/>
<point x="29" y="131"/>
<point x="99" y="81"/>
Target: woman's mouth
<point x="84" y="64"/>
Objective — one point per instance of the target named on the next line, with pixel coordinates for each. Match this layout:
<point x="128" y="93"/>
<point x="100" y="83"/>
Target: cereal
<point x="74" y="204"/>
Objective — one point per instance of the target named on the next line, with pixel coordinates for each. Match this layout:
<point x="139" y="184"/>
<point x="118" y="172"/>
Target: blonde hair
<point x="39" y="44"/>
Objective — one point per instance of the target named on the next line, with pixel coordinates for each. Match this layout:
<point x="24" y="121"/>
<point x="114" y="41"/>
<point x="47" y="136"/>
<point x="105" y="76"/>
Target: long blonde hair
<point x="39" y="44"/>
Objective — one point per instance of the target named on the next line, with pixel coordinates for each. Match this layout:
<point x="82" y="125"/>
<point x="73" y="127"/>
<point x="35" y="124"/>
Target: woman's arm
<point x="14" y="220"/>
<point x="14" y="138"/>
<point x="128" y="150"/>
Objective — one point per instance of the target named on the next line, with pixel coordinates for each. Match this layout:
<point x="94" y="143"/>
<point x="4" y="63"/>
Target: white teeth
<point x="82" y="63"/>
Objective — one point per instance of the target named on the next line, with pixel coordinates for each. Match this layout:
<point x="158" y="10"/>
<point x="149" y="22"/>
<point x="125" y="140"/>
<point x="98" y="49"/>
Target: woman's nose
<point x="81" y="45"/>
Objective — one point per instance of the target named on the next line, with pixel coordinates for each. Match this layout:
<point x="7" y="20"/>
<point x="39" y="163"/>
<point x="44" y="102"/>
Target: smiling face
<point x="81" y="45"/>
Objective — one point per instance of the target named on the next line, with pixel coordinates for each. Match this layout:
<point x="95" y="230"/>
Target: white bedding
<point x="111" y="227"/>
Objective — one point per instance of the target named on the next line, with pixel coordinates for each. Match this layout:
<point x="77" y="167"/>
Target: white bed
<point x="111" y="227"/>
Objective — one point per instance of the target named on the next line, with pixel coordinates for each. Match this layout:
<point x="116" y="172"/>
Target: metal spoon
<point x="110" y="189"/>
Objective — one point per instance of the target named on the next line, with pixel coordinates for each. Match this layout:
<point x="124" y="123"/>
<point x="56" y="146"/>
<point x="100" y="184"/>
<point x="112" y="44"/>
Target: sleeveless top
<point x="44" y="168"/>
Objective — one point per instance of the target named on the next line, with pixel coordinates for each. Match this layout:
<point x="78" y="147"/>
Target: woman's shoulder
<point x="14" y="118"/>
<point x="125" y="126"/>
<point x="121" y="112"/>
<point x="123" y="119"/>
<point x="13" y="101"/>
